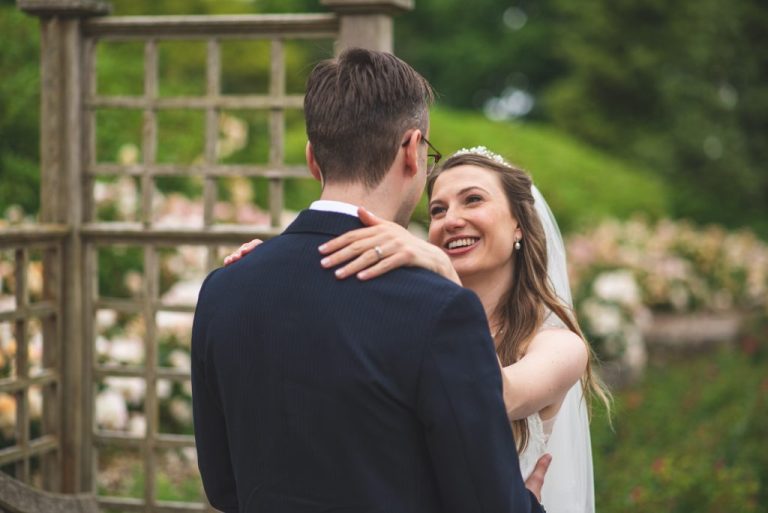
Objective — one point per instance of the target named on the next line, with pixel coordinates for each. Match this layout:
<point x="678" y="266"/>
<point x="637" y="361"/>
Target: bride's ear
<point x="314" y="167"/>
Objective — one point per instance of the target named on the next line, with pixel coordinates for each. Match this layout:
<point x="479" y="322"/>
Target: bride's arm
<point x="357" y="249"/>
<point x="538" y="382"/>
<point x="381" y="247"/>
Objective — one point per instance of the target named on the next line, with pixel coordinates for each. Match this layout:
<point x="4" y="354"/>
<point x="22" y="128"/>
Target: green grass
<point x="689" y="437"/>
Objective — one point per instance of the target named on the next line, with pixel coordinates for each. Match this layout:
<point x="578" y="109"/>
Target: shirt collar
<point x="339" y="207"/>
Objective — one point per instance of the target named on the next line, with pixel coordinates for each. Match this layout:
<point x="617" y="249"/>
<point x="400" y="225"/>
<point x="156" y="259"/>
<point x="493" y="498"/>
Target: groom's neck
<point x="378" y="201"/>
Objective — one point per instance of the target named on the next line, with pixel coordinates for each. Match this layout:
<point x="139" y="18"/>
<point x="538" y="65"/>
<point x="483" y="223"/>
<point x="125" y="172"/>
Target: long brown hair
<point x="531" y="296"/>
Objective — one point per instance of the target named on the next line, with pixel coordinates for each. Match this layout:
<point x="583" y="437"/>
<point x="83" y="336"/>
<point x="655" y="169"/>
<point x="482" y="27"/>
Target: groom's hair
<point x="358" y="107"/>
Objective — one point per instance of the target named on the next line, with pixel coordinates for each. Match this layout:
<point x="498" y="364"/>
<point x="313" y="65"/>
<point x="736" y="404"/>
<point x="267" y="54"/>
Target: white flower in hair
<point x="483" y="152"/>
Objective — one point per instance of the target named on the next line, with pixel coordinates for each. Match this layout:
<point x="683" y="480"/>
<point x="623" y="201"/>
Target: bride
<point x="492" y="232"/>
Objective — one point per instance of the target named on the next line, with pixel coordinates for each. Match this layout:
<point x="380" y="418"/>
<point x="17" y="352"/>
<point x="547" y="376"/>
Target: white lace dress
<point x="539" y="433"/>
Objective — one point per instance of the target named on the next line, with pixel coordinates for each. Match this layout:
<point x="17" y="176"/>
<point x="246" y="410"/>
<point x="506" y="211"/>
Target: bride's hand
<point x="381" y="247"/>
<point x="241" y="251"/>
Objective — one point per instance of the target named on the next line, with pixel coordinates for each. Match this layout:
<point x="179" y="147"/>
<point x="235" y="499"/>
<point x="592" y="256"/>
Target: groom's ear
<point x="314" y="167"/>
<point x="411" y="149"/>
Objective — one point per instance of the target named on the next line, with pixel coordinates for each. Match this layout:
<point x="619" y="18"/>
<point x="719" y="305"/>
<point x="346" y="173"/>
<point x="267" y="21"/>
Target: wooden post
<point x="366" y="23"/>
<point x="62" y="196"/>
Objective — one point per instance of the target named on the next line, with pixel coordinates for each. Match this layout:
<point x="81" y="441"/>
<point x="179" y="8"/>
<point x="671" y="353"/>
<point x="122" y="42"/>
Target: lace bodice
<point x="539" y="431"/>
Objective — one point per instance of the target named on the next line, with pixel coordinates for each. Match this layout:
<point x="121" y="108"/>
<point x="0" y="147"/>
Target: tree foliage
<point x="678" y="86"/>
<point x="19" y="107"/>
<point x="473" y="53"/>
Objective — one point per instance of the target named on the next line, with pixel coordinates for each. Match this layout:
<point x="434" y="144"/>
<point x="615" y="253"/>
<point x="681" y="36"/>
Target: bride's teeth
<point x="460" y="243"/>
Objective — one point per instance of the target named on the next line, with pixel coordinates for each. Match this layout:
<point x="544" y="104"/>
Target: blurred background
<point x="644" y="123"/>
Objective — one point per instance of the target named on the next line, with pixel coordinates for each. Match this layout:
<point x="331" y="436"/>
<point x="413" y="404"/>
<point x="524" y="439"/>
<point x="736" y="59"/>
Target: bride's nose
<point x="453" y="220"/>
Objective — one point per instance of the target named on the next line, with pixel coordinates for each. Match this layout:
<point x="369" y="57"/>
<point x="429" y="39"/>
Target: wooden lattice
<point x="64" y="449"/>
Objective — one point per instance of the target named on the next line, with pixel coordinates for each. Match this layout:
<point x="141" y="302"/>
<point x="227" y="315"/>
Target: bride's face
<point x="471" y="221"/>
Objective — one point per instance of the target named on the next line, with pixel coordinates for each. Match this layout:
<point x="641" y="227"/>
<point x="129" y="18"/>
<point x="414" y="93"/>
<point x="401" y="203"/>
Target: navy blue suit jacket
<point x="318" y="395"/>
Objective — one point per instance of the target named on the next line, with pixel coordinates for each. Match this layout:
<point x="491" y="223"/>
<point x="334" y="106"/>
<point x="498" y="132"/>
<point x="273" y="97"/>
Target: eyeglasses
<point x="432" y="158"/>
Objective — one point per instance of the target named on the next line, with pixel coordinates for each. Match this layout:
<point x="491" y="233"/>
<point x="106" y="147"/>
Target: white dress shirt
<point x="339" y="207"/>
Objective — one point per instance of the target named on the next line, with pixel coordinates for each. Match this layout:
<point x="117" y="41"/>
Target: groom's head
<point x="359" y="108"/>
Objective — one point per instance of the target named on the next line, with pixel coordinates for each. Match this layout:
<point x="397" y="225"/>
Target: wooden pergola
<point x="70" y="235"/>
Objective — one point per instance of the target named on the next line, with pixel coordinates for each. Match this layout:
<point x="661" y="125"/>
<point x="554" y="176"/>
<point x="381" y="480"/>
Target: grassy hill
<point x="581" y="184"/>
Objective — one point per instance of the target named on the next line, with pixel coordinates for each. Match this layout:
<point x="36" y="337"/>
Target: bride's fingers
<point x="241" y="251"/>
<point x="348" y="238"/>
<point x="368" y="258"/>
<point x="233" y="257"/>
<point x="355" y="249"/>
<point x="248" y="246"/>
<point x="383" y="266"/>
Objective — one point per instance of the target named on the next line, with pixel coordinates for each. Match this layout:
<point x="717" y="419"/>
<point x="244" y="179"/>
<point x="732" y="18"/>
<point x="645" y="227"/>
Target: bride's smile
<point x="459" y="243"/>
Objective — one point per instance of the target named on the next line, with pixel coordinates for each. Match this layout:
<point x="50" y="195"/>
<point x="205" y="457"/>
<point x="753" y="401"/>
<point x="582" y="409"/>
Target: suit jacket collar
<point x="327" y="223"/>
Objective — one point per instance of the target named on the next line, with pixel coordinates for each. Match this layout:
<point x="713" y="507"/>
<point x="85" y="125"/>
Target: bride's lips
<point x="460" y="245"/>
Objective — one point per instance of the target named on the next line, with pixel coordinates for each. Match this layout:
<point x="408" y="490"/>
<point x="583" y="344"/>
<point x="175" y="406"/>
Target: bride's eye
<point x="474" y="198"/>
<point x="436" y="210"/>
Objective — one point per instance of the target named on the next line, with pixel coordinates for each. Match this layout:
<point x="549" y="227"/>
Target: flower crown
<point x="483" y="152"/>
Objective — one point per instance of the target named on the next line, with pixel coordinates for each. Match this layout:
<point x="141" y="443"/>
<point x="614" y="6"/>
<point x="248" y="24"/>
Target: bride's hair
<point x="523" y="308"/>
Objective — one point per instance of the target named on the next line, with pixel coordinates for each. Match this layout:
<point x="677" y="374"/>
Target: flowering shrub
<point x="622" y="270"/>
<point x="612" y="314"/>
<point x="120" y="341"/>
<point x="678" y="266"/>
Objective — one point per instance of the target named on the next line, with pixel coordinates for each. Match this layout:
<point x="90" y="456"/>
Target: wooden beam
<point x="256" y="26"/>
<point x="77" y="8"/>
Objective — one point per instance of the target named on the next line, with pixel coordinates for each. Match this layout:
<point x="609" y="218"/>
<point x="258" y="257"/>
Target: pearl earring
<point x="517" y="245"/>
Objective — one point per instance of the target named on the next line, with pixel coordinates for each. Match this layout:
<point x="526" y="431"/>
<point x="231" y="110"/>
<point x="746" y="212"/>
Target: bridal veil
<point x="569" y="483"/>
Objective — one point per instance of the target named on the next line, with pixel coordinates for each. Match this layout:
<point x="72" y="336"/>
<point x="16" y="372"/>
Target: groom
<point x="313" y="394"/>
